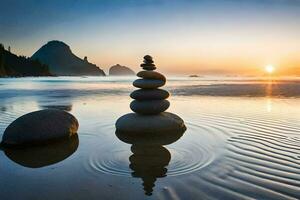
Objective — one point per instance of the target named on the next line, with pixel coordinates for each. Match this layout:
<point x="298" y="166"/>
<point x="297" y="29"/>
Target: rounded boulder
<point x="136" y="124"/>
<point x="40" y="127"/>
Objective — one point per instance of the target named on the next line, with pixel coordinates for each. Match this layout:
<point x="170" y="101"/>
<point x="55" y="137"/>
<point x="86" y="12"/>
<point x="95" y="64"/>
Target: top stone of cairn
<point x="148" y="63"/>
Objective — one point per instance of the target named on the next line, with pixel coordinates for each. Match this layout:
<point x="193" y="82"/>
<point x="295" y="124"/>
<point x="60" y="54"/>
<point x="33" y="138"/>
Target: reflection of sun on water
<point x="269" y="88"/>
<point x="269" y="69"/>
<point x="269" y="104"/>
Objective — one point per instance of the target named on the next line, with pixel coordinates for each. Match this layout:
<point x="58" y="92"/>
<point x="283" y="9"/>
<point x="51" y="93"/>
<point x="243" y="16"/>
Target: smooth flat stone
<point x="147" y="65"/>
<point x="149" y="68"/>
<point x="148" y="61"/>
<point x="148" y="84"/>
<point x="161" y="128"/>
<point x="149" y="94"/>
<point x="150" y="107"/>
<point x="151" y="75"/>
<point x="40" y="127"/>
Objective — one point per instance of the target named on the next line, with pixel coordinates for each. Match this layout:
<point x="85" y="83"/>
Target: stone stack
<point x="149" y="105"/>
<point x="149" y="100"/>
<point x="149" y="127"/>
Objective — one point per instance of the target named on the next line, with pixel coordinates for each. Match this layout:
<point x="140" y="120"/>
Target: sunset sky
<point x="238" y="37"/>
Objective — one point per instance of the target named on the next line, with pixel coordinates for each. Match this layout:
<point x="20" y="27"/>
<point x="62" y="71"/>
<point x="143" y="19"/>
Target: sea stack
<point x="149" y="104"/>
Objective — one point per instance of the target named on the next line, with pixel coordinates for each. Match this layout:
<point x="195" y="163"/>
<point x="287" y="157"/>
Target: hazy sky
<point x="191" y="36"/>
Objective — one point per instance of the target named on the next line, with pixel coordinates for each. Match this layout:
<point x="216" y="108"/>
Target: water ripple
<point x="266" y="154"/>
<point x="188" y="155"/>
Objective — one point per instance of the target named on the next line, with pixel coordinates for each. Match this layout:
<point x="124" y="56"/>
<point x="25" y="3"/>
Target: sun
<point x="269" y="69"/>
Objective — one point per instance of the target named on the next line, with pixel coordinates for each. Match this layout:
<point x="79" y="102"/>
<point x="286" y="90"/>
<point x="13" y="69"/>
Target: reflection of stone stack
<point x="149" y="100"/>
<point x="150" y="159"/>
<point x="149" y="163"/>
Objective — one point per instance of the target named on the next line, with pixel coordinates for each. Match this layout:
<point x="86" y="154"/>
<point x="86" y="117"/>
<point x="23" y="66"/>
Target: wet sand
<point x="242" y="142"/>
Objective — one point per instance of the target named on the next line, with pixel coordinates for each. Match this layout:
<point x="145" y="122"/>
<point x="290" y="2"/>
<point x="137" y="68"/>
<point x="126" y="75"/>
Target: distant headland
<point x="62" y="62"/>
<point x="53" y="59"/>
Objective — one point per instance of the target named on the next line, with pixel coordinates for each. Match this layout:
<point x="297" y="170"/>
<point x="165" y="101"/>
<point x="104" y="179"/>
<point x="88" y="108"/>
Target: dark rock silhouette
<point x="193" y="76"/>
<point x="119" y="70"/>
<point x="40" y="127"/>
<point x="61" y="61"/>
<point x="41" y="156"/>
<point x="149" y="104"/>
<point x="12" y="65"/>
<point x="150" y="159"/>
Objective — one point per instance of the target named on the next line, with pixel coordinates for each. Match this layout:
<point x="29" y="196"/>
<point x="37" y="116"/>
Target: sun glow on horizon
<point x="269" y="69"/>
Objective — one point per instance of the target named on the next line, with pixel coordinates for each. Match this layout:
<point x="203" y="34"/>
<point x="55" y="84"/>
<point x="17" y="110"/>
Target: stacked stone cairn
<point x="149" y="100"/>
<point x="149" y="105"/>
<point x="149" y="127"/>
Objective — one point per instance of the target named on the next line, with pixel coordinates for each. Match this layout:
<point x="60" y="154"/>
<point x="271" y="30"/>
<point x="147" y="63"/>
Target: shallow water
<point x="241" y="143"/>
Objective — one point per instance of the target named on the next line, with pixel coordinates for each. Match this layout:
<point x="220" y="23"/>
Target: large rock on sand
<point x="40" y="127"/>
<point x="148" y="124"/>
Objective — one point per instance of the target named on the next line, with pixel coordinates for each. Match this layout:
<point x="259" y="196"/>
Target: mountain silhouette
<point x="62" y="62"/>
<point x="12" y="65"/>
